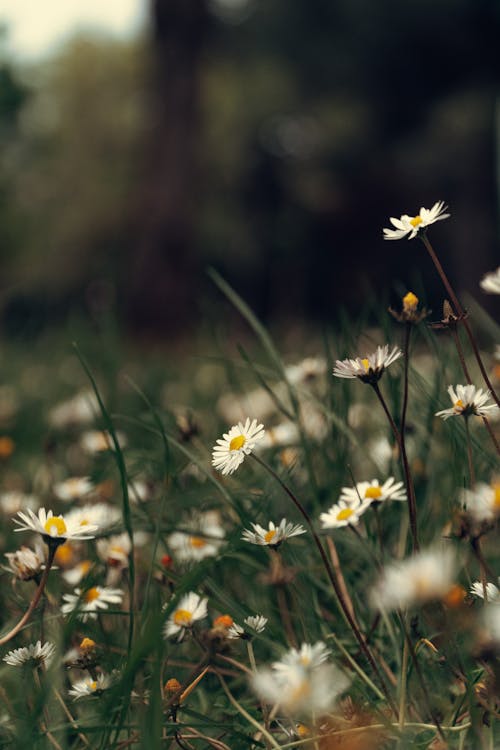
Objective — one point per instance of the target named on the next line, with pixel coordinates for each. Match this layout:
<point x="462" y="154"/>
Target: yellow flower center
<point x="496" y="496"/>
<point x="93" y="685"/>
<point x="459" y="405"/>
<point x="344" y="514"/>
<point x="64" y="554"/>
<point x="223" y="621"/>
<point x="197" y="542"/>
<point x="91" y="595"/>
<point x="301" y="691"/>
<point x="416" y="221"/>
<point x="269" y="536"/>
<point x="302" y="730"/>
<point x="117" y="549"/>
<point x="373" y="493"/>
<point x="410" y="302"/>
<point x="183" y="617"/>
<point x="84" y="522"/>
<point x="366" y="364"/>
<point x="55" y="526"/>
<point x="87" y="645"/>
<point x="237" y="443"/>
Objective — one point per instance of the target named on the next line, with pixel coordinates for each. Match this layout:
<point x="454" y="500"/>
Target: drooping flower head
<point x="413" y="225"/>
<point x="190" y="608"/>
<point x="55" y="530"/>
<point x="26" y="563"/>
<point x="490" y="283"/>
<point x="468" y="400"/>
<point x="368" y="369"/>
<point x="230" y="450"/>
<point x="35" y="654"/>
<point x="273" y="536"/>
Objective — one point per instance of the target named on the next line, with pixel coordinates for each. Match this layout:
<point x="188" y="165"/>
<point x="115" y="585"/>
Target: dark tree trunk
<point x="163" y="272"/>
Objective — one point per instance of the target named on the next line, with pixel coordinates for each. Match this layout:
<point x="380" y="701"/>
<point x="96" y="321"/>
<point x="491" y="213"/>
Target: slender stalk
<point x="335" y="585"/>
<point x="38" y="594"/>
<point x="460" y="313"/>
<point x="264" y="733"/>
<point x="410" y="490"/>
<point x="339" y="575"/>
<point x="472" y="473"/>
<point x="403" y="685"/>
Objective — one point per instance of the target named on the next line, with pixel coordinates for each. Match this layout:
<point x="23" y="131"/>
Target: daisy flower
<point x="34" y="654"/>
<point x="306" y="371"/>
<point x="344" y="514"/>
<point x="256" y="623"/>
<point x="467" y="400"/>
<point x="115" y="550"/>
<point x="492" y="591"/>
<point x="412" y="225"/>
<point x="373" y="492"/>
<point x="99" y="441"/>
<point x="26" y="563"/>
<point x="87" y="603"/>
<point x="230" y="451"/>
<point x="100" y="515"/>
<point x="490" y="283"/>
<point x="75" y="575"/>
<point x="426" y="576"/>
<point x="368" y="369"/>
<point x="81" y="409"/>
<point x="54" y="529"/>
<point x="274" y="535"/>
<point x="190" y="608"/>
<point x="73" y="488"/>
<point x="302" y="682"/>
<point x="204" y="538"/>
<point x="89" y="686"/>
<point x="482" y="502"/>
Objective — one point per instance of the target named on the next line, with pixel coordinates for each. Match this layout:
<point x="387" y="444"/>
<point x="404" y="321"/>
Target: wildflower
<point x="409" y="312"/>
<point x="373" y="492"/>
<point x="26" y="563"/>
<point x="285" y="433"/>
<point x="99" y="441"/>
<point x="204" y="538"/>
<point x="75" y="575"/>
<point x="424" y="577"/>
<point x="34" y="654"/>
<point x="190" y="609"/>
<point x="81" y="409"/>
<point x="467" y="400"/>
<point x="302" y="682"/>
<point x="73" y="488"/>
<point x="368" y="369"/>
<point x="115" y="550"/>
<point x="490" y="283"/>
<point x="344" y="514"/>
<point x="492" y="591"/>
<point x="87" y="646"/>
<point x="87" y="603"/>
<point x="90" y="686"/>
<point x="230" y="451"/>
<point x="306" y="371"/>
<point x="256" y="623"/>
<point x="54" y="529"/>
<point x="99" y="514"/>
<point x="223" y="622"/>
<point x="481" y="502"/>
<point x="413" y="225"/>
<point x="274" y="535"/>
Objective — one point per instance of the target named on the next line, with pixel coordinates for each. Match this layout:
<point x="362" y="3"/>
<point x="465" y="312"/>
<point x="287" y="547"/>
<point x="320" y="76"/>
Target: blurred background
<point x="142" y="142"/>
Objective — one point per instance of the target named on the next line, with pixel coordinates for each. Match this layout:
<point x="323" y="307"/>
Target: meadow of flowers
<point x="259" y="552"/>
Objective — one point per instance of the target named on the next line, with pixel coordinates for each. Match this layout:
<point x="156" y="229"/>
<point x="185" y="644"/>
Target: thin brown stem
<point x="410" y="490"/>
<point x="34" y="602"/>
<point x="332" y="549"/>
<point x="335" y="585"/>
<point x="461" y="314"/>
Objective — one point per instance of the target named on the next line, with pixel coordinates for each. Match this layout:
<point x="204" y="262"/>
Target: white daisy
<point x="482" y="502"/>
<point x="492" y="591"/>
<point x="373" y="492"/>
<point x="81" y="409"/>
<point x="139" y="490"/>
<point x="230" y="451"/>
<point x="285" y="433"/>
<point x="54" y="529"/>
<point x="26" y="563"/>
<point x="203" y="538"/>
<point x="100" y="515"/>
<point x="115" y="550"/>
<point x="73" y="488"/>
<point x="368" y="369"/>
<point x="34" y="654"/>
<point x="302" y="682"/>
<point x="467" y="400"/>
<point x="89" y="686"/>
<point x="306" y="371"/>
<point x="426" y="576"/>
<point x="344" y="514"/>
<point x="256" y="624"/>
<point x="273" y="536"/>
<point x="87" y="603"/>
<point x="99" y="441"/>
<point x="490" y="283"/>
<point x="412" y="225"/>
<point x="190" y="608"/>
